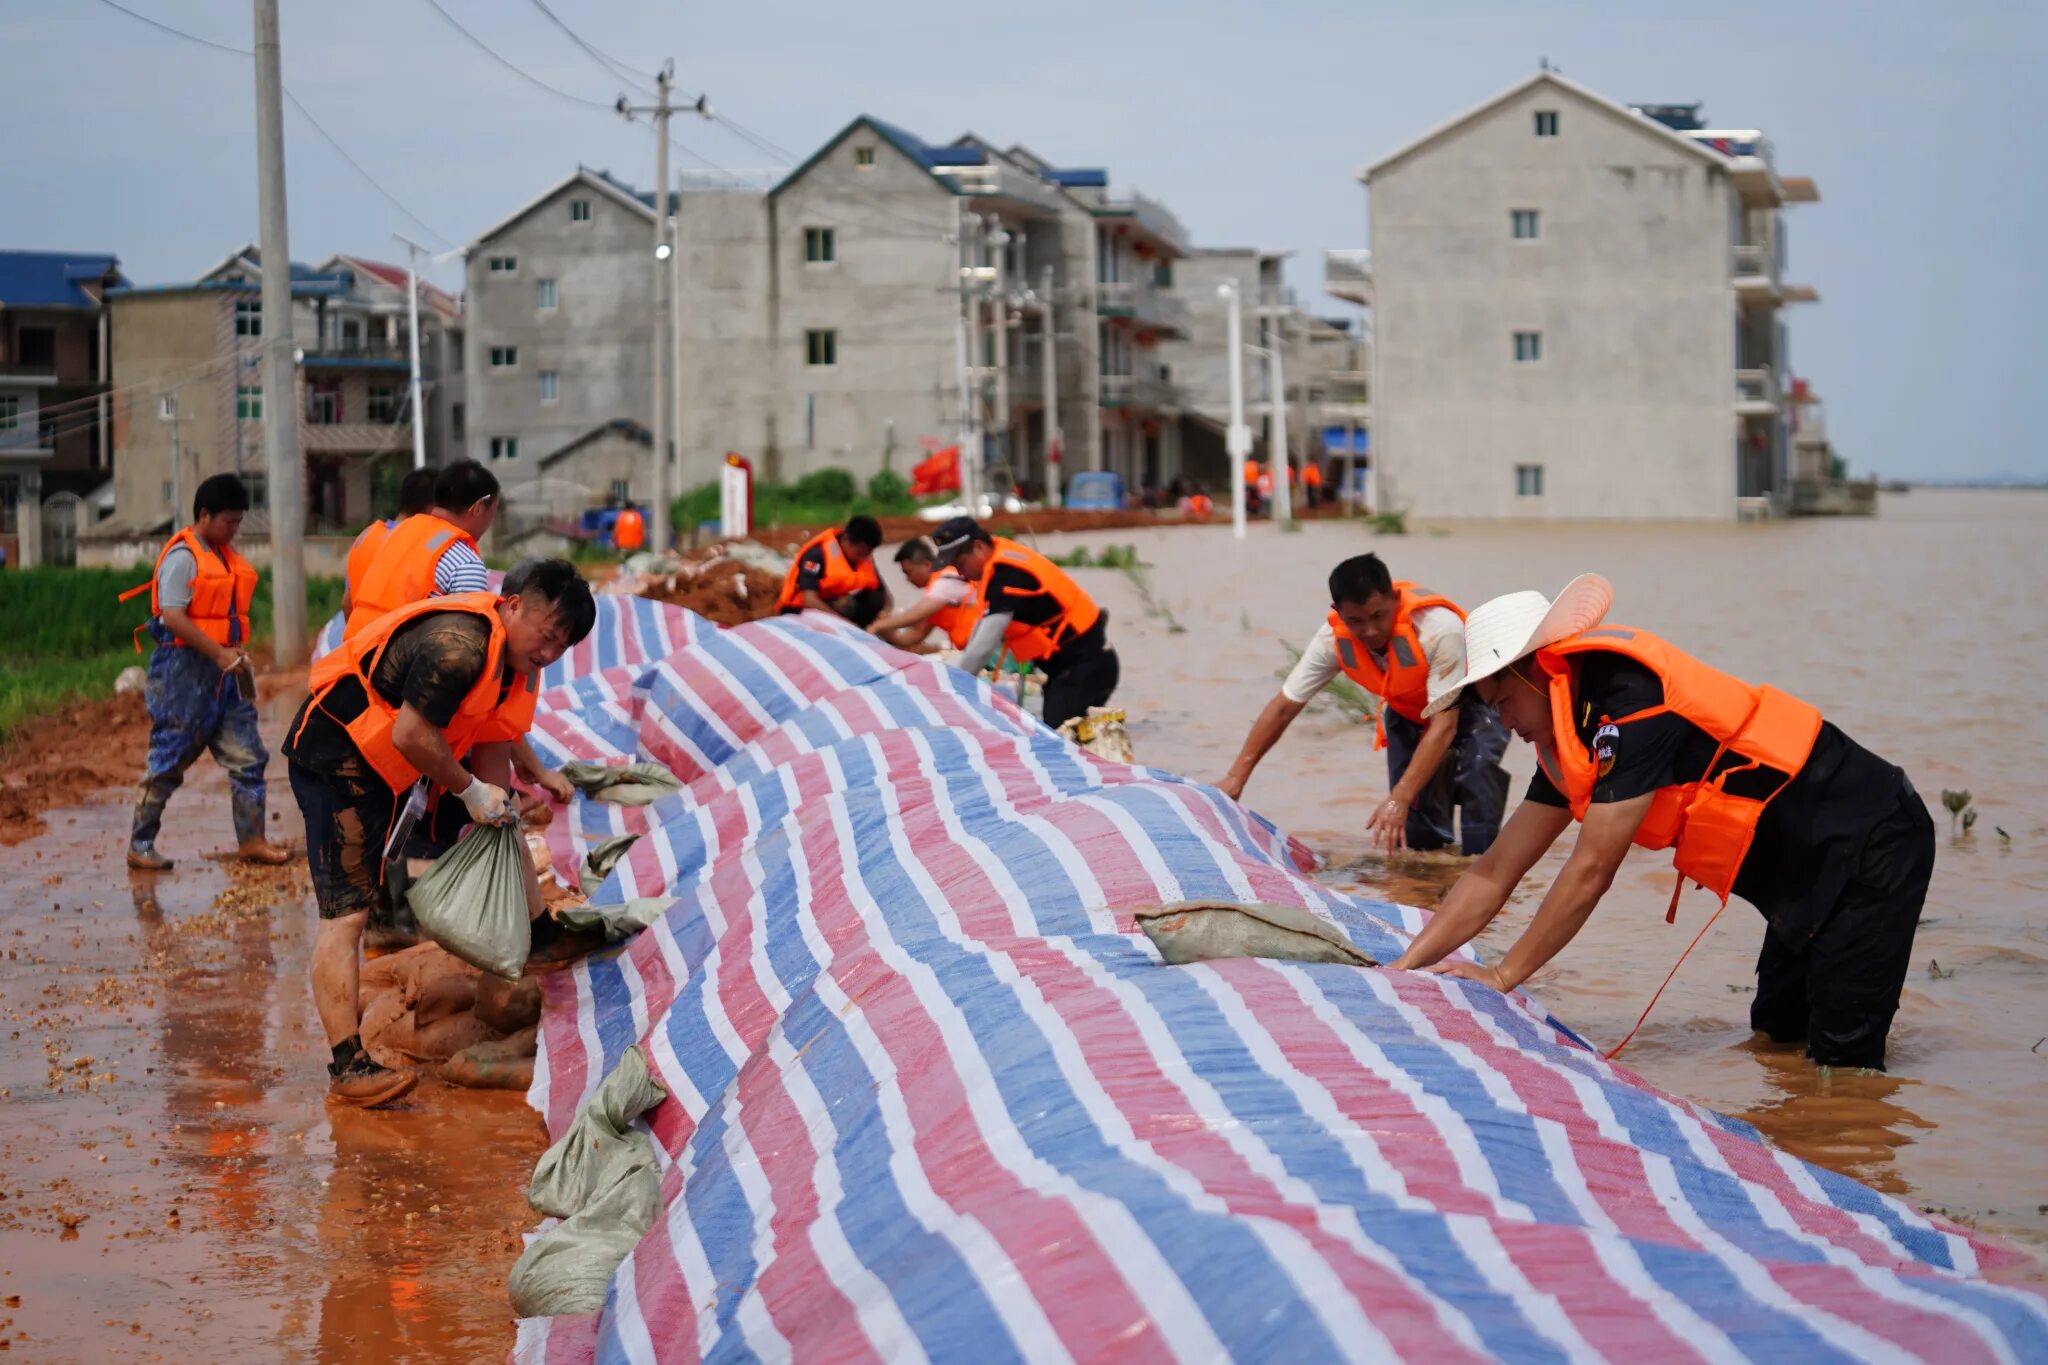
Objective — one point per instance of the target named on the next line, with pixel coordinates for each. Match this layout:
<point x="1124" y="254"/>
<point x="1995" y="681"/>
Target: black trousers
<point x="1081" y="675"/>
<point x="1470" y="779"/>
<point x="1839" y="990"/>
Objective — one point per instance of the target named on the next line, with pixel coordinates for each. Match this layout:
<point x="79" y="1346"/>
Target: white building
<point x="1576" y="311"/>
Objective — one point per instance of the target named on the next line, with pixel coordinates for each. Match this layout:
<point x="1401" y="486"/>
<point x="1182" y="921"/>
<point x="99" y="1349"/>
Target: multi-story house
<point x="190" y="401"/>
<point x="1576" y="311"/>
<point x="54" y="447"/>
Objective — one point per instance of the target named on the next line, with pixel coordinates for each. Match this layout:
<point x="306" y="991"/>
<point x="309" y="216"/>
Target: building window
<point x="550" y="386"/>
<point x="36" y="347"/>
<point x="1528" y="480"/>
<point x="10" y="412"/>
<point x="504" y="265"/>
<point x="1528" y="347"/>
<point x="544" y="295"/>
<point x="504" y="447"/>
<point x="323" y="404"/>
<point x="504" y="357"/>
<point x="622" y="491"/>
<point x="579" y="210"/>
<point x="821" y="246"/>
<point x="821" y="347"/>
<point x="259" y="490"/>
<point x="249" y="403"/>
<point x="1524" y="224"/>
<point x="248" y="317"/>
<point x="1546" y="123"/>
<point x="864" y="157"/>
<point x="455" y="416"/>
<point x="384" y="404"/>
<point x="1162" y="275"/>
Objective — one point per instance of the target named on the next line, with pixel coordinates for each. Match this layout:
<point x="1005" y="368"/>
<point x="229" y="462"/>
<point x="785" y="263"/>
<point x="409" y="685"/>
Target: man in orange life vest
<point x="1034" y="611"/>
<point x="1756" y="795"/>
<point x="948" y="603"/>
<point x="415" y="495"/>
<point x="199" y="599"/>
<point x="1406" y="646"/>
<point x="835" y="571"/>
<point x="424" y="689"/>
<point x="629" y="530"/>
<point x="434" y="554"/>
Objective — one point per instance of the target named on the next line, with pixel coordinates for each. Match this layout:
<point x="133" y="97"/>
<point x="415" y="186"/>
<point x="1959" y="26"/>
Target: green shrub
<point x="824" y="487"/>
<point x="888" y="489"/>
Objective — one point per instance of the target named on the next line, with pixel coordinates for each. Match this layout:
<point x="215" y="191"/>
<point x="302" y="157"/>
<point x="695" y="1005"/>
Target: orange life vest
<point x="1709" y="828"/>
<point x="958" y="620"/>
<point x="1251" y="472"/>
<point x="1313" y="475"/>
<point x="402" y="570"/>
<point x="1078" y="612"/>
<point x="840" y="577"/>
<point x="223" y="585"/>
<point x="629" y="532"/>
<point x="1200" y="506"/>
<point x="1404" y="683"/>
<point x="481" y="718"/>
<point x="365" y="550"/>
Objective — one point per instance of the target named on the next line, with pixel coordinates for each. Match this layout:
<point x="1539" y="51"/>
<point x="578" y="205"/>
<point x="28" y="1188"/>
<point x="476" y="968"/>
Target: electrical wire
<point x="304" y="113"/>
<point x="505" y="62"/>
<point x="612" y="64"/>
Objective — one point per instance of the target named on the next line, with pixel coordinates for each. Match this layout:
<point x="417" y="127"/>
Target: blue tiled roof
<point x="1079" y="178"/>
<point x="51" y="279"/>
<point x="924" y="153"/>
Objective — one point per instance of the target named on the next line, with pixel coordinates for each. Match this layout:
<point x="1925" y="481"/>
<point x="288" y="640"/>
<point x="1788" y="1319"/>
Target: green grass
<point x="822" y="497"/>
<point x="1347" y="696"/>
<point x="68" y="638"/>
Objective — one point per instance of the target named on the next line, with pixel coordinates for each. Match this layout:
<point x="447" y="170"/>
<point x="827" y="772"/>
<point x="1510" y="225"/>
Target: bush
<point x="888" y="489"/>
<point x="823" y="486"/>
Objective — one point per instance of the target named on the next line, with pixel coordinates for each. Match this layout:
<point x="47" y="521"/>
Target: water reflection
<point x="1849" y="1121"/>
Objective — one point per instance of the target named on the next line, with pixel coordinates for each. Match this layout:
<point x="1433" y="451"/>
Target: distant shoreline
<point x="1993" y="485"/>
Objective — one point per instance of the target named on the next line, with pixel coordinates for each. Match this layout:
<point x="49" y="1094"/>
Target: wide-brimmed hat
<point x="1511" y="627"/>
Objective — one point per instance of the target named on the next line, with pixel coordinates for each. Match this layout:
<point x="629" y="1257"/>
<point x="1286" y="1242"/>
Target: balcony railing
<point x="361" y="351"/>
<point x="1347" y="274"/>
<point x="1752" y="260"/>
<point x="1143" y="302"/>
<point x="1027" y="384"/>
<point x="998" y="180"/>
<point x="1151" y="216"/>
<point x="1137" y="391"/>
<point x="1756" y="392"/>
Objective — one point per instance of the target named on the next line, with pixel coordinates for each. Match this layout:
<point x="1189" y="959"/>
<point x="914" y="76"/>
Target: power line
<point x="611" y="64"/>
<point x="304" y="113"/>
<point x="520" y="72"/>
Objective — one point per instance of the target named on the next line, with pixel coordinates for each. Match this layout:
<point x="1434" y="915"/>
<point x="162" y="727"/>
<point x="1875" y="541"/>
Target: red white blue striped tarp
<point x="931" y="1095"/>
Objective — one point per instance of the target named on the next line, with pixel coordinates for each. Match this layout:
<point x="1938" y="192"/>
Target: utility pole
<point x="664" y="323"/>
<point x="999" y="242"/>
<point x="1283" y="487"/>
<point x="970" y="358"/>
<point x="662" y="530"/>
<point x="412" y="322"/>
<point x="1238" y="440"/>
<point x="280" y="388"/>
<point x="1054" y="439"/>
<point x="168" y="414"/>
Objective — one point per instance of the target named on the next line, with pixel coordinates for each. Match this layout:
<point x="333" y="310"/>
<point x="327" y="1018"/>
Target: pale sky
<point x="1920" y="122"/>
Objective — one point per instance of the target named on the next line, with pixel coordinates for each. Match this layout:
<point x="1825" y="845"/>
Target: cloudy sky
<point x="1920" y="122"/>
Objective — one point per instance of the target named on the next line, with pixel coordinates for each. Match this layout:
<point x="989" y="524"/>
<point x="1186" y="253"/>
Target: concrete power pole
<point x="1054" y="438"/>
<point x="1238" y="439"/>
<point x="1283" y="489"/>
<point x="664" y="252"/>
<point x="970" y="359"/>
<point x="280" y="388"/>
<point x="412" y="321"/>
<point x="999" y="242"/>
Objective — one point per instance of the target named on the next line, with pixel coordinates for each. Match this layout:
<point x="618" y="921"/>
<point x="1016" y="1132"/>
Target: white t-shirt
<point x="1440" y="630"/>
<point x="948" y="589"/>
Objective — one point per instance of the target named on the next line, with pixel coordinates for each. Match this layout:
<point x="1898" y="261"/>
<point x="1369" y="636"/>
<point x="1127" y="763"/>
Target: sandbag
<point x="1200" y="931"/>
<point x="601" y="1179"/>
<point x="1101" y="732"/>
<point x="618" y="921"/>
<point x="630" y="784"/>
<point x="598" y="863"/>
<point x="473" y="900"/>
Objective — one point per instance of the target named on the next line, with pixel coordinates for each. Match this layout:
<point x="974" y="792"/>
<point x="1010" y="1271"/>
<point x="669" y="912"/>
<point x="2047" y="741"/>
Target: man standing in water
<point x="1755" y="794"/>
<point x="1406" y="646"/>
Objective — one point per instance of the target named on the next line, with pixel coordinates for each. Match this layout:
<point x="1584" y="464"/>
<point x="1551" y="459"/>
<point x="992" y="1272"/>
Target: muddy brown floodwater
<point x="1921" y="633"/>
<point x="173" y="1185"/>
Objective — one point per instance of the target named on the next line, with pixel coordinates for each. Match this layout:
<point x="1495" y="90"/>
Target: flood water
<point x="1921" y="633"/>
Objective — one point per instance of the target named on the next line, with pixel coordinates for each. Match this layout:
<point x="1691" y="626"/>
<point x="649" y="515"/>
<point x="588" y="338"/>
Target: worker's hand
<point x="227" y="658"/>
<point x="1232" y="786"/>
<point x="558" y="787"/>
<point x="1471" y="971"/>
<point x="487" y="805"/>
<point x="1387" y="831"/>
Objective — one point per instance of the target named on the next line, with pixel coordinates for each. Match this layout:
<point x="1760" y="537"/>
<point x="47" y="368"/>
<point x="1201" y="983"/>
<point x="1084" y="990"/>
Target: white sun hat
<point x="1514" y="626"/>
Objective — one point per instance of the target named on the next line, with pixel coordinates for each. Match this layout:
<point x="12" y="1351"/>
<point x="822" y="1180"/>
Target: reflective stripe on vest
<point x="1077" y="615"/>
<point x="402" y="570"/>
<point x="481" y="717"/>
<point x="1709" y="828"/>
<point x="223" y="586"/>
<point x="840" y="577"/>
<point x="1404" y="685"/>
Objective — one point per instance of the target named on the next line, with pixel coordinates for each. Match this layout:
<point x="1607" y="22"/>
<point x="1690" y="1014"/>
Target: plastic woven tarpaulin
<point x="931" y="1093"/>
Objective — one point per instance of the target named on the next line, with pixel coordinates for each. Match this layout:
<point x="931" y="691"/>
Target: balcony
<point x="1347" y="397"/>
<point x="1347" y="274"/>
<point x="1027" y="384"/>
<point x="1138" y="391"/>
<point x="1145" y="304"/>
<point x="1756" y="393"/>
<point x="1149" y="217"/>
<point x="1751" y="166"/>
<point x="351" y="354"/>
<point x="1000" y="180"/>
<point x="1755" y="276"/>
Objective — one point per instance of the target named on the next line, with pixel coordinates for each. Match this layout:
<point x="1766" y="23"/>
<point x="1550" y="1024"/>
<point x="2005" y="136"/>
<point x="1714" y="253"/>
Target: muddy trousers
<point x="192" y="710"/>
<point x="1839" y="990"/>
<point x="1470" y="779"/>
